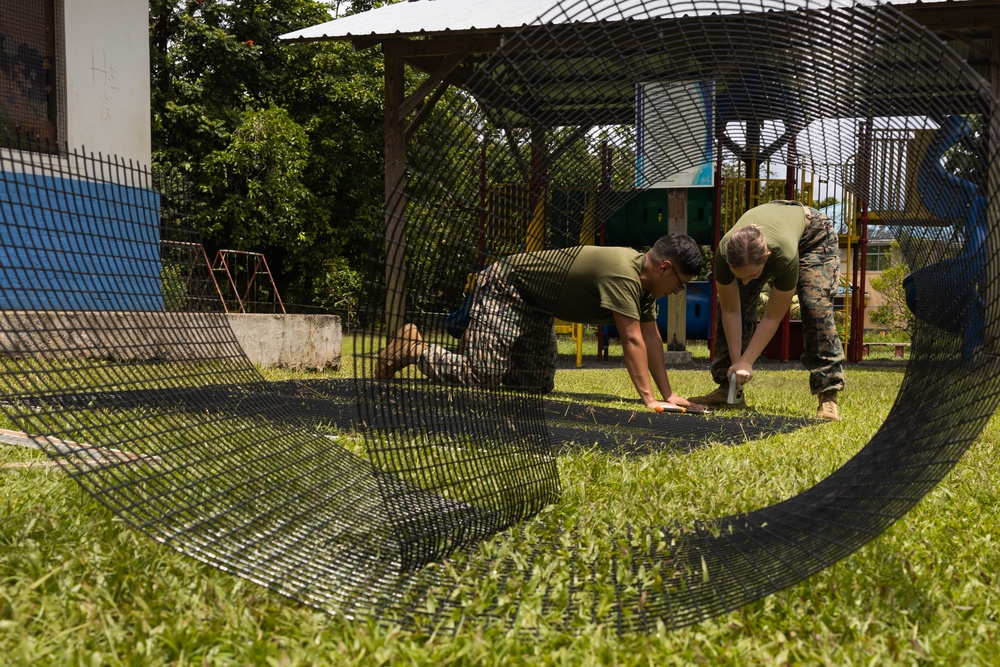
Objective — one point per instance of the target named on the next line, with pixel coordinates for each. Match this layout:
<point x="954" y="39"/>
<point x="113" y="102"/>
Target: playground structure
<point x="248" y="286"/>
<point x="779" y="106"/>
<point x="237" y="281"/>
<point x="608" y="215"/>
<point x="893" y="156"/>
<point x="246" y="477"/>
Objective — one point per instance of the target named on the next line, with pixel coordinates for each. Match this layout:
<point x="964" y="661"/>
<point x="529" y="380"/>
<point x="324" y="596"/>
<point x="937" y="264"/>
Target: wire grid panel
<point x="97" y="350"/>
<point x="789" y="80"/>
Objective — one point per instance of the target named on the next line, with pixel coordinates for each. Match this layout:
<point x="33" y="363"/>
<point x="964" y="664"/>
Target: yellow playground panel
<point x="519" y="220"/>
<point x="516" y="224"/>
<point x="814" y="185"/>
<point x="576" y="331"/>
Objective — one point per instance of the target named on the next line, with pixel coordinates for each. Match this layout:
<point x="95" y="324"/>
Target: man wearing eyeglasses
<point x="510" y="340"/>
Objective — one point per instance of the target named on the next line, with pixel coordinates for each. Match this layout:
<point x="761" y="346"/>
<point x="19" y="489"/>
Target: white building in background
<point x="76" y="73"/>
<point x="107" y="76"/>
<point x="77" y="234"/>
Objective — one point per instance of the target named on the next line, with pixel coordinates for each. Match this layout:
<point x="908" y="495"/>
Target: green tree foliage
<point x="257" y="182"/>
<point x="966" y="159"/>
<point x="280" y="142"/>
<point x="337" y="287"/>
<point x="892" y="314"/>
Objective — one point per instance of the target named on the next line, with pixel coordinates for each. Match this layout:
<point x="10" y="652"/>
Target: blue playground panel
<point x="946" y="293"/>
<point x="71" y="244"/>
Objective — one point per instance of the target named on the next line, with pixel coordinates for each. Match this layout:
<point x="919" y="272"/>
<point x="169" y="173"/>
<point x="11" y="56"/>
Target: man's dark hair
<point x="680" y="249"/>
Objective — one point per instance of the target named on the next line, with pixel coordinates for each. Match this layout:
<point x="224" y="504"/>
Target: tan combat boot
<point x="404" y="349"/>
<point x="828" y="407"/>
<point x="718" y="398"/>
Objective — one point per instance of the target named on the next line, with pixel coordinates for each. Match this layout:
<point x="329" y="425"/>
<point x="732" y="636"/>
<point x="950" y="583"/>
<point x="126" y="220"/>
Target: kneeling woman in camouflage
<point x="795" y="247"/>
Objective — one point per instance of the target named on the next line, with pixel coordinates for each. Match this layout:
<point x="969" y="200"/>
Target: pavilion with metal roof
<point x="446" y="39"/>
<point x="552" y="77"/>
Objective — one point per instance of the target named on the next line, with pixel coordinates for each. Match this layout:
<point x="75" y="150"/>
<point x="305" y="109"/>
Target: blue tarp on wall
<point x="69" y="244"/>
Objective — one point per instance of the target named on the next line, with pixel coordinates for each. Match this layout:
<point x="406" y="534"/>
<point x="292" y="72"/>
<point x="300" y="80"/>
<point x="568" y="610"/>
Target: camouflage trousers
<point x="507" y="341"/>
<point x="819" y="272"/>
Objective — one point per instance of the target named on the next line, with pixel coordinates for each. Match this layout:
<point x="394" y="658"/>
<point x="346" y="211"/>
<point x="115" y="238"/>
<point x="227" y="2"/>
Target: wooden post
<point x="785" y="328"/>
<point x="713" y="323"/>
<point x="677" y="200"/>
<point x="535" y="236"/>
<point x="751" y="160"/>
<point x="855" y="336"/>
<point x="395" y="181"/>
<point x="588" y="229"/>
<point x="603" y="192"/>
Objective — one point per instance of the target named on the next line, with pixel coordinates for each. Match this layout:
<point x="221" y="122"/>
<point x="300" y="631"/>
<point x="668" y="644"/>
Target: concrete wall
<point x="107" y="88"/>
<point x="301" y="342"/>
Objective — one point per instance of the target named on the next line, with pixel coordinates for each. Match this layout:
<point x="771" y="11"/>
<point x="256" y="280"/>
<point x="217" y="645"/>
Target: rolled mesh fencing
<point x="373" y="498"/>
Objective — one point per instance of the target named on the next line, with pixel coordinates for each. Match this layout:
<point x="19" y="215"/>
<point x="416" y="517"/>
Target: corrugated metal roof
<point x="424" y="17"/>
<point x="416" y="17"/>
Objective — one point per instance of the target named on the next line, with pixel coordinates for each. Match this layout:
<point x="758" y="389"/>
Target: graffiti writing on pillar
<point x="103" y="70"/>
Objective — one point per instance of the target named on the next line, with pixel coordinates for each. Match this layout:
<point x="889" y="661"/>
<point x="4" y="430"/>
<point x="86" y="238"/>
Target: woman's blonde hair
<point x="746" y="247"/>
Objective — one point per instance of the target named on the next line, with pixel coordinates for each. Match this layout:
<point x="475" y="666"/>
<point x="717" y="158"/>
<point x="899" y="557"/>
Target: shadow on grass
<point x="574" y="421"/>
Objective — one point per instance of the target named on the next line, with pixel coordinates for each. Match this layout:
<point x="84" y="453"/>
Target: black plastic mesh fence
<point x="377" y="504"/>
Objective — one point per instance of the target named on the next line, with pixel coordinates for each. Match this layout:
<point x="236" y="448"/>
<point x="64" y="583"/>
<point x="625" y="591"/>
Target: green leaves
<point x="892" y="313"/>
<point x="258" y="180"/>
<point x="281" y="142"/>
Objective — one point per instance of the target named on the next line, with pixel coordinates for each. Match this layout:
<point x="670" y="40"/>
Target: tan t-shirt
<point x="585" y="284"/>
<point x="783" y="223"/>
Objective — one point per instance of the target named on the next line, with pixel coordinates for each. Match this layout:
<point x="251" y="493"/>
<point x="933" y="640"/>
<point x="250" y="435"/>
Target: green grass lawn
<point x="81" y="588"/>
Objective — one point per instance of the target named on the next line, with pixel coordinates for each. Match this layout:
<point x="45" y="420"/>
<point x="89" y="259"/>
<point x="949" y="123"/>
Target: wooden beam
<point x="537" y="186"/>
<point x="362" y="43"/>
<point x="425" y="110"/>
<point x="941" y="16"/>
<point x="769" y="151"/>
<point x="677" y="303"/>
<point x="515" y="152"/>
<point x="565" y="145"/>
<point x="434" y="79"/>
<point x="443" y="46"/>
<point x="995" y="61"/>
